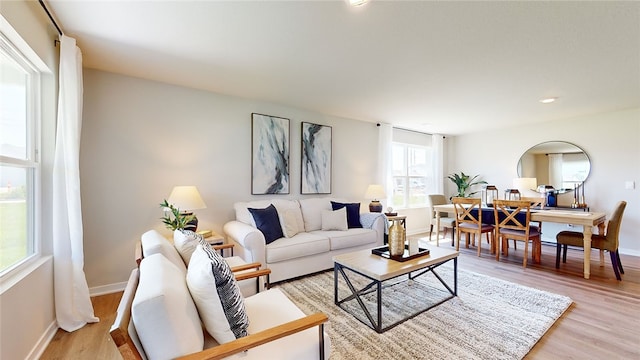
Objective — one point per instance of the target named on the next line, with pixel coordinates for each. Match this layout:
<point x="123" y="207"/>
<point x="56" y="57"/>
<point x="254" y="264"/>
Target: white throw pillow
<point x="186" y="242"/>
<point x="334" y="220"/>
<point x="202" y="285"/>
<point x="288" y="222"/>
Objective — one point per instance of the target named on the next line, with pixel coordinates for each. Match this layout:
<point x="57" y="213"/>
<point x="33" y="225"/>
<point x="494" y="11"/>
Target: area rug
<point x="489" y="319"/>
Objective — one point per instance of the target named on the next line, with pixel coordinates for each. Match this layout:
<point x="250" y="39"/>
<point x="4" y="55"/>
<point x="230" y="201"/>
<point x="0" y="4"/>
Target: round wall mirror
<point x="560" y="164"/>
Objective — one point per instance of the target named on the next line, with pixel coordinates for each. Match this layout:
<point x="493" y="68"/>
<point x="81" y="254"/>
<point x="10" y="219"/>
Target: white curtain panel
<point x="437" y="163"/>
<point x="73" y="304"/>
<point x="555" y="169"/>
<point x="385" y="171"/>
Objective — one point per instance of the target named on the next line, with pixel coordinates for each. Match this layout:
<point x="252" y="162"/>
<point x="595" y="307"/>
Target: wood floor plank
<point x="602" y="323"/>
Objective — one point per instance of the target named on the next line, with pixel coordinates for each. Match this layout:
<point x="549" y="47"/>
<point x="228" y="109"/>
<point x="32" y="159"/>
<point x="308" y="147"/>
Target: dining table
<point x="588" y="220"/>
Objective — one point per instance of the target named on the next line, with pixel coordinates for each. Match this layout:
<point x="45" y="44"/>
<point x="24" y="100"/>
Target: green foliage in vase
<point x="173" y="218"/>
<point x="464" y="183"/>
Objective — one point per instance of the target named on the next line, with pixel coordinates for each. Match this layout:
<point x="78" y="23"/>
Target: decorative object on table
<point x="185" y="199"/>
<point x="269" y="154"/>
<point x="397" y="236"/>
<point x="316" y="159"/>
<point x="512" y="194"/>
<point x="173" y="217"/>
<point x="489" y="193"/>
<point x="390" y="212"/>
<point x="406" y="255"/>
<point x="578" y="196"/>
<point x="464" y="183"/>
<point x="375" y="192"/>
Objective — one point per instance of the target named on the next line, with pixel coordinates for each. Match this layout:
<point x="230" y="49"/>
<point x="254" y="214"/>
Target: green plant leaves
<point x="173" y="218"/>
<point x="464" y="182"/>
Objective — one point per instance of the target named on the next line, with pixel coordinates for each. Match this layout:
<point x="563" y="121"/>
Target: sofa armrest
<point x="263" y="337"/>
<point x="251" y="245"/>
<point x="377" y="222"/>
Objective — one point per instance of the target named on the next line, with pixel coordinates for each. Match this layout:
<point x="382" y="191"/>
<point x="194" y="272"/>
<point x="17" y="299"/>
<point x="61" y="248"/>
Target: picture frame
<point x="317" y="158"/>
<point x="270" y="140"/>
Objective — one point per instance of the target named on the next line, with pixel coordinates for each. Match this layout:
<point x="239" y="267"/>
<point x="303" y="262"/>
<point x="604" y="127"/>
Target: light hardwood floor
<point x="602" y="323"/>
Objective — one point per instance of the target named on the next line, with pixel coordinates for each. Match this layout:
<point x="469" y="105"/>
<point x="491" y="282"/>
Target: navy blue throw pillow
<point x="353" y="213"/>
<point x="267" y="222"/>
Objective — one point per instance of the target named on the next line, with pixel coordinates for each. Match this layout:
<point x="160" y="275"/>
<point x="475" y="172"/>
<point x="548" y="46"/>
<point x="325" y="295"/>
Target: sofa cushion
<point x="154" y="243"/>
<point x="334" y="219"/>
<point x="349" y="238"/>
<point x="164" y="332"/>
<point x="268" y="223"/>
<point x="303" y="244"/>
<point x="353" y="213"/>
<point x="312" y="212"/>
<point x="202" y="285"/>
<point x="186" y="242"/>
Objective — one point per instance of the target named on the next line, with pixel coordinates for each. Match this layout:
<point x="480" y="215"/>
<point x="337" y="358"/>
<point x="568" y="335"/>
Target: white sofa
<point x="159" y="318"/>
<point x="310" y="249"/>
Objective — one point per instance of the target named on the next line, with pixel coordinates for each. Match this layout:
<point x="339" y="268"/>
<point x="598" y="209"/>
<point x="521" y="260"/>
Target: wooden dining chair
<point x="447" y="223"/>
<point x="609" y="241"/>
<point x="510" y="224"/>
<point x="469" y="222"/>
<point x="536" y="202"/>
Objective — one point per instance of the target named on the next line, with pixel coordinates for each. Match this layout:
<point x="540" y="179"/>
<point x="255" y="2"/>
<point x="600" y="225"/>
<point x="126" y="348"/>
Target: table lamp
<point x="375" y="192"/>
<point x="187" y="199"/>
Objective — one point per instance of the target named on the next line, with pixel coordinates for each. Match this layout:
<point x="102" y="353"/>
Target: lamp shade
<point x="375" y="192"/>
<point x="186" y="198"/>
<point x="523" y="184"/>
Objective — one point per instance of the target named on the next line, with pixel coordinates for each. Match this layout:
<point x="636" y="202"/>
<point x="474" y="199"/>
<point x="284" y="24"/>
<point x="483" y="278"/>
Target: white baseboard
<point x="43" y="342"/>
<point x="107" y="289"/>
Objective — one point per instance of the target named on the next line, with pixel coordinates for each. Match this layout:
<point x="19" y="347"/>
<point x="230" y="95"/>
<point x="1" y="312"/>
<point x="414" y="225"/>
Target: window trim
<point x="15" y="47"/>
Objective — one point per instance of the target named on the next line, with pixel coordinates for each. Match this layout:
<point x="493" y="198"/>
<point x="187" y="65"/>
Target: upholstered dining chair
<point x="609" y="241"/>
<point x="447" y="223"/>
<point x="469" y="222"/>
<point x="510" y="224"/>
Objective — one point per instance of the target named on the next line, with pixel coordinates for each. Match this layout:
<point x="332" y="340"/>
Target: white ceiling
<point x="442" y="67"/>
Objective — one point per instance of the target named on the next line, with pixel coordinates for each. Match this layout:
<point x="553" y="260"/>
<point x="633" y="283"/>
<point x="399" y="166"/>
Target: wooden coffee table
<point x="378" y="269"/>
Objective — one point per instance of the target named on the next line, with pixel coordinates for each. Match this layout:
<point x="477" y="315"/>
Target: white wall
<point x="611" y="140"/>
<point x="140" y="138"/>
<point x="27" y="317"/>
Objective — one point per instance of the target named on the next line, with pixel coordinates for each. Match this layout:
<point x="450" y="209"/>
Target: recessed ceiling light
<point x="357" y="2"/>
<point x="548" y="100"/>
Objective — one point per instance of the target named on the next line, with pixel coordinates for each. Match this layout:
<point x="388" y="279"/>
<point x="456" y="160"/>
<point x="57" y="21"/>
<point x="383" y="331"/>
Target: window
<point x="19" y="165"/>
<point x="412" y="175"/>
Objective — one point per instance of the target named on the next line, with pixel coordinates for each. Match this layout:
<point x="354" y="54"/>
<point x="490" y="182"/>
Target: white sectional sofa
<point x="308" y="244"/>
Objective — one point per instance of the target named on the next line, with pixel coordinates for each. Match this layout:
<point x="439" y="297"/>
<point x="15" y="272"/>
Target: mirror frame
<point x="548" y="147"/>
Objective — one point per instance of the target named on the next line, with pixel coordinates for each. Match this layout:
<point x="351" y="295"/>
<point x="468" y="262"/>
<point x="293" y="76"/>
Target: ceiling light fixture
<point x="357" y="2"/>
<point x="548" y="100"/>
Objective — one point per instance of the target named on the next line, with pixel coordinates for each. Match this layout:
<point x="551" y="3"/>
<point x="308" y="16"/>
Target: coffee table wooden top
<point x="380" y="268"/>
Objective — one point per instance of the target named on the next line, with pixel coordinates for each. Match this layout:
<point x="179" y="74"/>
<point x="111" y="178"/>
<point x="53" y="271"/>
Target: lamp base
<point x="375" y="206"/>
<point x="193" y="224"/>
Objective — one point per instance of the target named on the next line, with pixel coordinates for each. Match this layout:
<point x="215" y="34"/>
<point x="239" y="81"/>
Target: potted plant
<point x="173" y="218"/>
<point x="464" y="182"/>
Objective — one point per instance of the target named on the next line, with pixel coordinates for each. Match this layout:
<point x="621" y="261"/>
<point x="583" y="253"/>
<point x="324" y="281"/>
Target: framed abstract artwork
<point x="269" y="154"/>
<point x="316" y="159"/>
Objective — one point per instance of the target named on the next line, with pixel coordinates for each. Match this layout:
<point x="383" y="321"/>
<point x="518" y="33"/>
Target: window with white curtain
<point x="412" y="175"/>
<point x="19" y="163"/>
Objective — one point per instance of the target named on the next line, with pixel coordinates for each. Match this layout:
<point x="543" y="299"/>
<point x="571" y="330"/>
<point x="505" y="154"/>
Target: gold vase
<point x="396" y="239"/>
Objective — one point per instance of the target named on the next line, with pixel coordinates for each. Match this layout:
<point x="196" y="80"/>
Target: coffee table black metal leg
<point x="455" y="276"/>
<point x="379" y="325"/>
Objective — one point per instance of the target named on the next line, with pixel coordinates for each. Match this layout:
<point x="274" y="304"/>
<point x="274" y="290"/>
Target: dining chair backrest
<point x="613" y="228"/>
<point x="535" y="202"/>
<point x="468" y="210"/>
<point x="436" y="199"/>
<point x="506" y="214"/>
